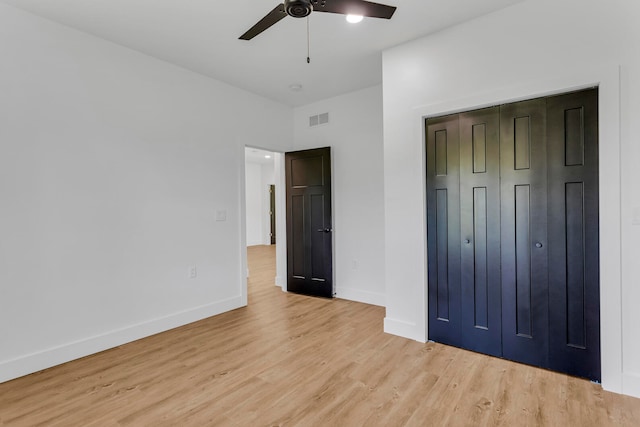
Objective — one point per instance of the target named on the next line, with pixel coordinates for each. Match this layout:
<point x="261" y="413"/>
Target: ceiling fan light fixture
<point x="354" y="19"/>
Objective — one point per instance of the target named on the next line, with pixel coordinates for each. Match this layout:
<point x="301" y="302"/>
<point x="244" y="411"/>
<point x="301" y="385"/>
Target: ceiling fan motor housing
<point x="298" y="8"/>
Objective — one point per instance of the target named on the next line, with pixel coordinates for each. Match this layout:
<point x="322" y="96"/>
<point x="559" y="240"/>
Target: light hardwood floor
<point x="298" y="361"/>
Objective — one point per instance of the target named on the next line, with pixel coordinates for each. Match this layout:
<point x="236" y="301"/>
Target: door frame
<point x="281" y="247"/>
<point x="607" y="79"/>
<point x="281" y="221"/>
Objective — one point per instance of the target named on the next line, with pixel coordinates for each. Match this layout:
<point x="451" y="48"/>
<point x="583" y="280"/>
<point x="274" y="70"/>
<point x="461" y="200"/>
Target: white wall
<point x="533" y="48"/>
<point x="354" y="134"/>
<point x="113" y="166"/>
<point x="253" y="184"/>
<point x="258" y="178"/>
<point x="281" y="221"/>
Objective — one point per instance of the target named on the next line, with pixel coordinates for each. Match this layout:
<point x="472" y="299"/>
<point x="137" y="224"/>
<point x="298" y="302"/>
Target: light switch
<point x="221" y="215"/>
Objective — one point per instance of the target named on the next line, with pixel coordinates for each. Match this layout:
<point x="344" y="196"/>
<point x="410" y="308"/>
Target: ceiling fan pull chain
<point x="308" y="43"/>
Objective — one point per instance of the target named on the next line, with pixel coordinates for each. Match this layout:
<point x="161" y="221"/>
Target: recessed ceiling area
<point x="202" y="36"/>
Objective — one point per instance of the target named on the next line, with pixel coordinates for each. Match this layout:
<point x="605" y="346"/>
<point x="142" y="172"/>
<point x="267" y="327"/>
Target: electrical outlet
<point x="193" y="272"/>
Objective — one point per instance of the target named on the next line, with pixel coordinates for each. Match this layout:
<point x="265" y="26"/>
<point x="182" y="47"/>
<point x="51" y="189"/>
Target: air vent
<point x="320" y="119"/>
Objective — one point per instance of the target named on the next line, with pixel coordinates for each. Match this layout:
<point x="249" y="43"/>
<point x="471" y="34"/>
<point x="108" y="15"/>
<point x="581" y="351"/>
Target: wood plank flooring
<point x="298" y="361"/>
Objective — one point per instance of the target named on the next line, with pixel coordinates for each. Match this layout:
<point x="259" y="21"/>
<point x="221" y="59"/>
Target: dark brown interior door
<point x="309" y="229"/>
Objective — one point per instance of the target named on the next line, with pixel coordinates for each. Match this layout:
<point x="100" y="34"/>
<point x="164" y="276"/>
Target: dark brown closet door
<point x="512" y="232"/>
<point x="525" y="321"/>
<point x="574" y="303"/>
<point x="480" y="230"/>
<point x="443" y="229"/>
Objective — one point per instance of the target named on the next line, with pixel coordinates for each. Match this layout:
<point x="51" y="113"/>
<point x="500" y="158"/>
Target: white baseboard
<point x="280" y="282"/>
<point x="631" y="384"/>
<point x="403" y="329"/>
<point x="358" y="295"/>
<point x="38" y="361"/>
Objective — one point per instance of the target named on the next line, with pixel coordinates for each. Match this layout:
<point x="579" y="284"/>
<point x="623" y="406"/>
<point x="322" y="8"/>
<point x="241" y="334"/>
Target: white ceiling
<point x="256" y="155"/>
<point x="202" y="36"/>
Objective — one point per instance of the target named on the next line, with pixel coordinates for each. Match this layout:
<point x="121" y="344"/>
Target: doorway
<point x="512" y="231"/>
<point x="276" y="218"/>
<point x="260" y="216"/>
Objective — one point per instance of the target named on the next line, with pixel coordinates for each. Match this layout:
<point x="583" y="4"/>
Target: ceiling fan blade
<point x="354" y="7"/>
<point x="271" y="18"/>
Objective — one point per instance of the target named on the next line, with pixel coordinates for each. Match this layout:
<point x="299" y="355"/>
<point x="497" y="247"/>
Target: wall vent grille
<point x="319" y="119"/>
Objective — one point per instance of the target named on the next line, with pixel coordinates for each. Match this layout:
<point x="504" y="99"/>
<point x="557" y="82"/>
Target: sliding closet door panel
<point x="574" y="304"/>
<point x="480" y="230"/>
<point x="524" y="232"/>
<point x="443" y="229"/>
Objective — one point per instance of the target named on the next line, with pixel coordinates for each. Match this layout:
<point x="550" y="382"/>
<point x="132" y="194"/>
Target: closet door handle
<point x="467" y="241"/>
<point x="538" y="245"/>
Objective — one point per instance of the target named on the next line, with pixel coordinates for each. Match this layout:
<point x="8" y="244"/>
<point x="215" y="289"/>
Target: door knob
<point x="538" y="245"/>
<point x="324" y="230"/>
<point x="467" y="241"/>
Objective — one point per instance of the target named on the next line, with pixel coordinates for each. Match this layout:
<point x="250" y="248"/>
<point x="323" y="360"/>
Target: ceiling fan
<point x="302" y="9"/>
